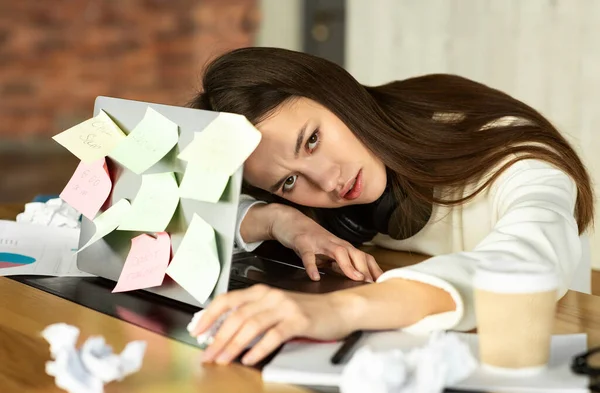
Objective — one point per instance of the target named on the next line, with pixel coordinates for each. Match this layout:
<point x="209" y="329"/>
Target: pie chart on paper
<point x="8" y="259"/>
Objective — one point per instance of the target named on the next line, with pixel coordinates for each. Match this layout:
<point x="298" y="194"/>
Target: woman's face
<point x="308" y="156"/>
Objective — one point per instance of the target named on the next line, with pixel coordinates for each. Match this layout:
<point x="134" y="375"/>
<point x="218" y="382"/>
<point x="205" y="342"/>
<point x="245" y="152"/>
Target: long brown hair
<point x="399" y="122"/>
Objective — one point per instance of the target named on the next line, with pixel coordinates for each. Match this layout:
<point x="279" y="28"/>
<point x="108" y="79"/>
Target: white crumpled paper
<point x="87" y="370"/>
<point x="443" y="361"/>
<point x="54" y="213"/>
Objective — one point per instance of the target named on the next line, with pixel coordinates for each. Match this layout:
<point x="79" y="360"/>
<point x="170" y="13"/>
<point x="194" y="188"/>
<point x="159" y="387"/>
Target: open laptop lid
<point x="106" y="257"/>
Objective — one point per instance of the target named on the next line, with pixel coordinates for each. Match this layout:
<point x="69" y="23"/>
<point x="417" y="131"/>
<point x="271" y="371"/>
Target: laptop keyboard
<point x="235" y="284"/>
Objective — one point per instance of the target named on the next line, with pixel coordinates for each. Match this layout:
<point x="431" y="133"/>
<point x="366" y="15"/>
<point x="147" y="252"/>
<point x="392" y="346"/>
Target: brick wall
<point x="56" y="56"/>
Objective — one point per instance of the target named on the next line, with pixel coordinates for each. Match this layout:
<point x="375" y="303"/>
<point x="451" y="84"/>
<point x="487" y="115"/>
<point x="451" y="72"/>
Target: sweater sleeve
<point x="534" y="204"/>
<point x="246" y="202"/>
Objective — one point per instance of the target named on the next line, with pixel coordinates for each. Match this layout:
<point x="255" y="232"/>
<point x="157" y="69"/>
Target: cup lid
<point x="515" y="276"/>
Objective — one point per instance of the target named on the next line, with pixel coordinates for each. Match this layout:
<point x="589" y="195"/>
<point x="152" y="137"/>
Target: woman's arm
<point x="249" y="241"/>
<point x="289" y="226"/>
<point x="257" y="222"/>
<point x="392" y="304"/>
<point x="281" y="315"/>
<point x="533" y="204"/>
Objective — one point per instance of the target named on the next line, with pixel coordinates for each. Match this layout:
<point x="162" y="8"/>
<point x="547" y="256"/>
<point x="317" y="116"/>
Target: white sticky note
<point x="202" y="185"/>
<point x="150" y="140"/>
<point x="224" y="144"/>
<point x="108" y="221"/>
<point x="93" y="139"/>
<point x="154" y="205"/>
<point x="195" y="266"/>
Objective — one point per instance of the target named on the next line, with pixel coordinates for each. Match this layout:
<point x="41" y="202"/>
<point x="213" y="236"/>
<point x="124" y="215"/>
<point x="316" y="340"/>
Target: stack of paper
<point x="38" y="250"/>
<point x="309" y="364"/>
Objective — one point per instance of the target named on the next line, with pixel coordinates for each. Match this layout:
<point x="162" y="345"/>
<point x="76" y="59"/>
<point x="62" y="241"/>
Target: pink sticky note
<point x="88" y="188"/>
<point x="146" y="263"/>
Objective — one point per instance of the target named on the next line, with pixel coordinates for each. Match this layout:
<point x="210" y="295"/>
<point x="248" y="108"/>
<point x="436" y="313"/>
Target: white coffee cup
<point x="515" y="304"/>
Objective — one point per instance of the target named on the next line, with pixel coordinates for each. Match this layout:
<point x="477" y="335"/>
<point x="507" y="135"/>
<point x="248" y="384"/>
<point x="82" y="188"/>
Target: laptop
<point x="271" y="264"/>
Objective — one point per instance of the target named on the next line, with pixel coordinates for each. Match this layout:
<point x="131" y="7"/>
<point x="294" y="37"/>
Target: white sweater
<point x="527" y="214"/>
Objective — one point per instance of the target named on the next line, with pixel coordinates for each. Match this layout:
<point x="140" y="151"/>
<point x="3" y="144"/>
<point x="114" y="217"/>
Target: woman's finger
<point x="360" y="262"/>
<point x="310" y="264"/>
<point x="274" y="337"/>
<point x="374" y="267"/>
<point x="251" y="329"/>
<point x="237" y="319"/>
<point x="226" y="302"/>
<point x="340" y="254"/>
<point x="336" y="268"/>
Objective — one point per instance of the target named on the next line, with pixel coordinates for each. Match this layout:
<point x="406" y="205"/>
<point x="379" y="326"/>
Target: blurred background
<point x="56" y="56"/>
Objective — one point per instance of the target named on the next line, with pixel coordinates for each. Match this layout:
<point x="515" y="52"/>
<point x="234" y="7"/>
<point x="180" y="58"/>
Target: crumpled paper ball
<point x="53" y="213"/>
<point x="444" y="361"/>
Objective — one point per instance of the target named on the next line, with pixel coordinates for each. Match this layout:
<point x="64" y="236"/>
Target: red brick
<point x="57" y="56"/>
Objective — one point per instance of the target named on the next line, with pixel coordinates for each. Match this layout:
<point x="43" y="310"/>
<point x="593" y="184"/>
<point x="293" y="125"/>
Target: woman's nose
<point x="325" y="175"/>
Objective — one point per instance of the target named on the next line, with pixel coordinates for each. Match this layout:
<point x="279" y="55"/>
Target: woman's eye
<point x="311" y="143"/>
<point x="288" y="184"/>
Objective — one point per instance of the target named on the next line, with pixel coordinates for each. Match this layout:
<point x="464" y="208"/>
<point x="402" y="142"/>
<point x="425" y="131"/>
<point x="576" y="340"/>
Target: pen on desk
<point x="347" y="346"/>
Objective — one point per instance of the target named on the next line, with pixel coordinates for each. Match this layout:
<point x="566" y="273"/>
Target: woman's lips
<point x="356" y="189"/>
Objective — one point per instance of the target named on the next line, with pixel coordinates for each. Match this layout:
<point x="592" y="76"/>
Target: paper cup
<point x="515" y="304"/>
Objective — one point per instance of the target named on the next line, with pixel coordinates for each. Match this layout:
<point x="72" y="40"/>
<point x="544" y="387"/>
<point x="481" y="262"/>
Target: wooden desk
<point x="170" y="365"/>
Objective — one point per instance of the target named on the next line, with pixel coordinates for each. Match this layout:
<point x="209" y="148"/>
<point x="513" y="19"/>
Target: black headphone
<point x="358" y="224"/>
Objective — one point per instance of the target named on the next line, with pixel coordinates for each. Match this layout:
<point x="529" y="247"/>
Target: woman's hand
<point x="318" y="247"/>
<point x="276" y="315"/>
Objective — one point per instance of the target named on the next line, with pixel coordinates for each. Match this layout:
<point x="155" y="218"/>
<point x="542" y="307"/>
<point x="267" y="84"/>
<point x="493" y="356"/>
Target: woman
<point x="436" y="164"/>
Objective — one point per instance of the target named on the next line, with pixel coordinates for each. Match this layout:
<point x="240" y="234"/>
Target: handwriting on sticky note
<point x="108" y="221"/>
<point x="150" y="140"/>
<point x="88" y="188"/>
<point x="146" y="263"/>
<point x="223" y="145"/>
<point x="202" y="185"/>
<point x="154" y="205"/>
<point x="93" y="139"/>
<point x="195" y="266"/>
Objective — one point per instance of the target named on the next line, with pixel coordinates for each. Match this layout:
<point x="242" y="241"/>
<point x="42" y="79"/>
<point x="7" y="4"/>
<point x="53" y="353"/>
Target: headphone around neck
<point x="358" y="224"/>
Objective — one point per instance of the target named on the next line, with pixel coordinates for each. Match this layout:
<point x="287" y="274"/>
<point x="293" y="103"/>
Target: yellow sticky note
<point x="202" y="185"/>
<point x="195" y="266"/>
<point x="93" y="139"/>
<point x="150" y="140"/>
<point x="108" y="221"/>
<point x="154" y="205"/>
<point x="223" y="145"/>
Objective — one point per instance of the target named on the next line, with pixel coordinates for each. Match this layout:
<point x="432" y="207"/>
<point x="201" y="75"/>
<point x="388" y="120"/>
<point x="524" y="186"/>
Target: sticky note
<point x="223" y="145"/>
<point x="195" y="266"/>
<point x="88" y="188"/>
<point x="154" y="205"/>
<point x="202" y="185"/>
<point x="93" y="139"/>
<point x="150" y="140"/>
<point x="108" y="221"/>
<point x="146" y="263"/>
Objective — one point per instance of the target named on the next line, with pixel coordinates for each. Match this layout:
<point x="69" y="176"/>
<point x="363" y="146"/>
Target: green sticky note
<point x="195" y="266"/>
<point x="224" y="145"/>
<point x="149" y="141"/>
<point x="108" y="221"/>
<point x="154" y="205"/>
<point x="93" y="139"/>
<point x="202" y="185"/>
